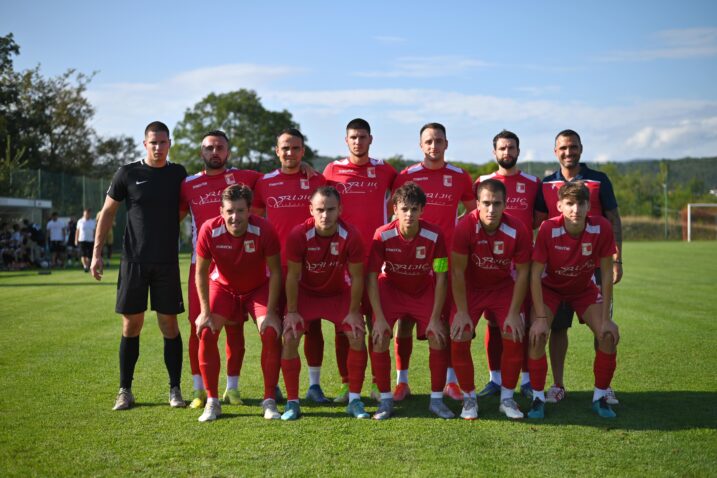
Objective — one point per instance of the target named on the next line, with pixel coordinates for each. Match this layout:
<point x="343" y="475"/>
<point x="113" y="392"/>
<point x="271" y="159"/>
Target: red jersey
<point x="285" y="199"/>
<point x="324" y="260"/>
<point x="408" y="264"/>
<point x="365" y="191"/>
<point x="240" y="262"/>
<point x="491" y="256"/>
<point x="570" y="261"/>
<point x="201" y="195"/>
<point x="521" y="192"/>
<point x="445" y="188"/>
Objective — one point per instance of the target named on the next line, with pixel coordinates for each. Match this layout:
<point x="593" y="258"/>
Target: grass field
<point x="59" y="373"/>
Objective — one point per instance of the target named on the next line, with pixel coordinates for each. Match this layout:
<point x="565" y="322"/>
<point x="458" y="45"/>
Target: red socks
<point x="463" y="365"/>
<point x="270" y="361"/>
<point x="291" y="368"/>
<point x="604" y="368"/>
<point x="381" y="362"/>
<point x="314" y="344"/>
<point x="538" y="369"/>
<point x="403" y="346"/>
<point x="208" y="358"/>
<point x="493" y="347"/>
<point x="438" y="363"/>
<point x="193" y="348"/>
<point x="356" y="362"/>
<point x="235" y="348"/>
<point x="342" y="354"/>
<point x="511" y="361"/>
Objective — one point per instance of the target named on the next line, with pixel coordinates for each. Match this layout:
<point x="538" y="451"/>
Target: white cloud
<point x="426" y="67"/>
<point x="675" y="44"/>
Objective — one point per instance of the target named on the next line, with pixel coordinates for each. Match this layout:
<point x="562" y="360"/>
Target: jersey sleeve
<point x="118" y="188"/>
<point x="183" y="199"/>
<point x="375" y="261"/>
<point x="467" y="187"/>
<point x="203" y="247"/>
<point x="607" y="240"/>
<point x="270" y="241"/>
<point x="540" y="251"/>
<point x="296" y="244"/>
<point x="461" y="236"/>
<point x="258" y="201"/>
<point x="523" y="246"/>
<point x="607" y="194"/>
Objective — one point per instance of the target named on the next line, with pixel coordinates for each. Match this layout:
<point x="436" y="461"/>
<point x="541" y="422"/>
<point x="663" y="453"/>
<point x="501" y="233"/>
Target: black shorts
<point x="86" y="248"/>
<point x="564" y="316"/>
<point x="160" y="280"/>
<point x="57" y="246"/>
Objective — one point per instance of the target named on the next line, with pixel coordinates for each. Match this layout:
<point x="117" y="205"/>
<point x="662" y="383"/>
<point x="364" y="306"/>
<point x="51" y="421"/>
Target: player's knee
<point x="357" y="343"/>
<point x="607" y="344"/>
<point x="434" y="343"/>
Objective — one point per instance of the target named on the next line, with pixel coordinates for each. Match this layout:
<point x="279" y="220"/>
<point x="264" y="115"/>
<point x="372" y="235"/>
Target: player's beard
<point x="215" y="163"/>
<point x="508" y="163"/>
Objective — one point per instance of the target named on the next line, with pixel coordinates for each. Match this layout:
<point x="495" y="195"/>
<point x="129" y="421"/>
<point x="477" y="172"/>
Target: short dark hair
<point x="236" y="192"/>
<point x="359" y="123"/>
<point x="575" y="190"/>
<point x="505" y="134"/>
<point x="568" y="132"/>
<point x="156" y="127"/>
<point x="410" y="193"/>
<point x="492" y="185"/>
<point x="216" y="132"/>
<point x="327" y="191"/>
<point x="432" y="126"/>
<point x="291" y="132"/>
<point x="54" y="213"/>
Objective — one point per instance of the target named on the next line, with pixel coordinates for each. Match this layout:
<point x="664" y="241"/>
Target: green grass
<point x="59" y="375"/>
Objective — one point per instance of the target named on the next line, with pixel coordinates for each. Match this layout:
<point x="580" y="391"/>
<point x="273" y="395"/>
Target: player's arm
<point x="613" y="216"/>
<point x="307" y="170"/>
<point x="461" y="321"/>
<point x="201" y="279"/>
<point x="272" y="317"/>
<point x="380" y="325"/>
<point x="354" y="317"/>
<point x="469" y="204"/>
<point x="292" y="319"/>
<point x="539" y="326"/>
<point x="435" y="324"/>
<point x="104" y="224"/>
<point x="514" y="324"/>
<point x="608" y="326"/>
<point x="538" y="218"/>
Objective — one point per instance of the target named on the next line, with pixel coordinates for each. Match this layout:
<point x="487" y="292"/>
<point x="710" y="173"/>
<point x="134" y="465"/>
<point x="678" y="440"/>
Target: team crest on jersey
<point x="334" y="248"/>
<point x="587" y="248"/>
<point x="304" y="183"/>
<point x="421" y="252"/>
<point x="249" y="246"/>
<point x="520" y="187"/>
<point x="229" y="178"/>
<point x="371" y="172"/>
<point x="448" y="181"/>
<point x="498" y="247"/>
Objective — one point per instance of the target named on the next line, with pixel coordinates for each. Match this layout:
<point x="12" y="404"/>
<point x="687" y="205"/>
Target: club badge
<point x="249" y="246"/>
<point x="587" y="248"/>
<point x="498" y="247"/>
<point x="371" y="172"/>
<point x="448" y="181"/>
<point x="335" y="248"/>
<point x="229" y="178"/>
<point x="421" y="252"/>
<point x="520" y="187"/>
<point x="304" y="183"/>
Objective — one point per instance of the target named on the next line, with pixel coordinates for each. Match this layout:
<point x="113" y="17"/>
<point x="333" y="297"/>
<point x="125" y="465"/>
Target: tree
<point x="251" y="128"/>
<point x="111" y="153"/>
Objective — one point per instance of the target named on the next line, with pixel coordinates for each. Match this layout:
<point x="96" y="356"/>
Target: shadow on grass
<point x="665" y="411"/>
<point x="61" y="284"/>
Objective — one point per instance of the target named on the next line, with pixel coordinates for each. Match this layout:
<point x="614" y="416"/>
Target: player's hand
<point x="293" y="322"/>
<point x="461" y="323"/>
<point x="355" y="321"/>
<point x="271" y="319"/>
<point x="203" y="321"/>
<point x="307" y="170"/>
<point x="438" y="328"/>
<point x="610" y="327"/>
<point x="515" y="326"/>
<point x="380" y="331"/>
<point x="616" y="272"/>
<point x="97" y="267"/>
<point x="539" y="330"/>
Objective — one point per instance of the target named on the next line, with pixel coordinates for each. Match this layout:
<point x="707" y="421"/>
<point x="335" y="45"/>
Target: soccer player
<point x="568" y="150"/>
<point x="246" y="275"/>
<point x="567" y="250"/>
<point x="487" y="247"/>
<point x="446" y="187"/>
<point x="150" y="263"/>
<point x="320" y="253"/>
<point x="85" y="238"/>
<point x="407" y="278"/>
<point x="283" y="197"/>
<point x="365" y="185"/>
<point x="201" y="196"/>
<point x="56" y="240"/>
<point x="521" y="193"/>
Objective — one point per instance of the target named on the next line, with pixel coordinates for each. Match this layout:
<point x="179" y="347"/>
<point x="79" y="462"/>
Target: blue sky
<point x="635" y="78"/>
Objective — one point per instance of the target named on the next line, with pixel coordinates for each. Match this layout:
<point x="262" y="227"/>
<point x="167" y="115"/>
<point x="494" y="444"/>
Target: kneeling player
<point x="318" y="253"/>
<point x="486" y="246"/>
<point x="412" y="255"/>
<point x="242" y="246"/>
<point x="567" y="251"/>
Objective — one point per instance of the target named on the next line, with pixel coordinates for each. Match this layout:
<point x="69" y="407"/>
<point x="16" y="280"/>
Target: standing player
<point x="521" y="193"/>
<point x="568" y="150"/>
<point x="283" y="196"/>
<point x="567" y="250"/>
<point x="201" y="196"/>
<point x="487" y="247"/>
<point x="446" y="187"/>
<point x="85" y="238"/>
<point x="365" y="185"/>
<point x="246" y="276"/>
<point x="56" y="240"/>
<point x="407" y="278"/>
<point x="320" y="253"/>
<point x="150" y="189"/>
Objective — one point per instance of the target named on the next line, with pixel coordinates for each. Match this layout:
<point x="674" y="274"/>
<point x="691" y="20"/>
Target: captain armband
<point x="440" y="264"/>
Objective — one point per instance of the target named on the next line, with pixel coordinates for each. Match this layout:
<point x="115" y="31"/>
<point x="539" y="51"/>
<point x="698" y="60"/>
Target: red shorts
<point x="233" y="306"/>
<point x="397" y="304"/>
<point x="491" y="304"/>
<point x="578" y="302"/>
<point x="333" y="308"/>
